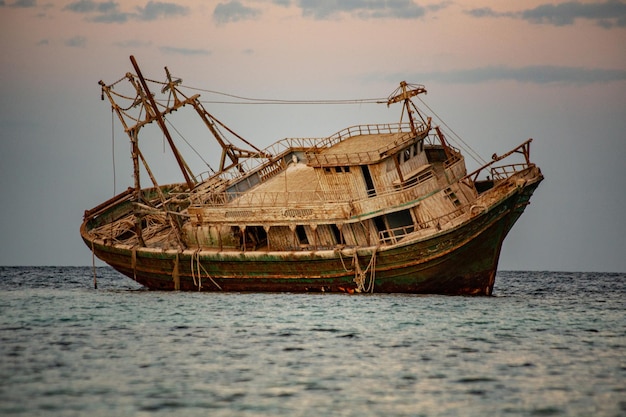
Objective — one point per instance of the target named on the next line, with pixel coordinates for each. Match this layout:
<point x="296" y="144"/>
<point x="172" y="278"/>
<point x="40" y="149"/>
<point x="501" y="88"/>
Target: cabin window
<point x="380" y="224"/>
<point x="406" y="155"/>
<point x="369" y="183"/>
<point x="436" y="155"/>
<point x="400" y="222"/>
<point x="381" y="227"/>
<point x="301" y="233"/>
<point x="256" y="237"/>
<point x="338" y="169"/>
<point x="336" y="233"/>
<point x="452" y="196"/>
<point x="411" y="152"/>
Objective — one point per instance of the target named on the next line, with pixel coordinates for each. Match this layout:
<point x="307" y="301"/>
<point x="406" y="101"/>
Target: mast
<point x="149" y="111"/>
<point x="404" y="93"/>
<point x="161" y="122"/>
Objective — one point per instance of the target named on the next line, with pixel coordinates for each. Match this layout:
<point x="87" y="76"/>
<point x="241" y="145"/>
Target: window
<point x="411" y="152"/>
<point x="301" y="233"/>
<point x="401" y="222"/>
<point x="450" y="194"/>
<point x="406" y="155"/>
<point x="336" y="233"/>
<point x="369" y="183"/>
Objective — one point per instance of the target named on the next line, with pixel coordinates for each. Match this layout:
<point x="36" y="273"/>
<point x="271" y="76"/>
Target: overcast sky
<point x="496" y="72"/>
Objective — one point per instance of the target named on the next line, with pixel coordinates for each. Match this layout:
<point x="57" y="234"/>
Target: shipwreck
<point x="387" y="208"/>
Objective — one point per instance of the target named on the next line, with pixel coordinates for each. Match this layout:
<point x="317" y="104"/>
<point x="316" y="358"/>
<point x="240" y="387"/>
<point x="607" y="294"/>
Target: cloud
<point x="101" y="12"/>
<point x="439" y="6"/>
<point x="234" y="11"/>
<point x="20" y="4"/>
<point x="485" y="12"/>
<point x="110" y="12"/>
<point x="540" y="74"/>
<point x="76" y="42"/>
<point x="365" y="9"/>
<point x="608" y="14"/>
<point x="156" y="9"/>
<point x="183" y="51"/>
<point x="112" y="17"/>
<point x="88" y="6"/>
<point x="133" y="43"/>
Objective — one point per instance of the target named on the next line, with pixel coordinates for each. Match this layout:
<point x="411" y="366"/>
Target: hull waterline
<point x="459" y="262"/>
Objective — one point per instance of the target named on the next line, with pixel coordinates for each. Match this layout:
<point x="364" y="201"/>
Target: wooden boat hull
<point x="461" y="260"/>
<point x="371" y="208"/>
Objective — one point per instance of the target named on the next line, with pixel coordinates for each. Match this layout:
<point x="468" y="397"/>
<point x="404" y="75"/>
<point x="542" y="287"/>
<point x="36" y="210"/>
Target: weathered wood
<point x="384" y="207"/>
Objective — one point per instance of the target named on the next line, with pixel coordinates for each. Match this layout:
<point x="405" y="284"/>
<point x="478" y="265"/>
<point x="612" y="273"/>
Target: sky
<point x="496" y="72"/>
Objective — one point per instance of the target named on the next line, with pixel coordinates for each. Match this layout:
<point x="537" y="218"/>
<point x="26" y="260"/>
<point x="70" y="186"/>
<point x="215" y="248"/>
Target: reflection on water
<point x="546" y="344"/>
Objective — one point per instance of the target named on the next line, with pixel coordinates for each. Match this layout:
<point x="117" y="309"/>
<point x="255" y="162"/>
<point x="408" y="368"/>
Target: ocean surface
<point x="547" y="344"/>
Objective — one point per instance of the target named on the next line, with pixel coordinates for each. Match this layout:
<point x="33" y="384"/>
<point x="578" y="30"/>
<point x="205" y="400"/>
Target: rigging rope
<point x="189" y="144"/>
<point x="250" y="100"/>
<point x="234" y="99"/>
<point x="113" y="147"/>
<point x="475" y="155"/>
<point x="292" y="102"/>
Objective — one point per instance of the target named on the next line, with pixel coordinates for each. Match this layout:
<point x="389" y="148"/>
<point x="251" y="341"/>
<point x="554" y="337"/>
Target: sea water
<point x="546" y="344"/>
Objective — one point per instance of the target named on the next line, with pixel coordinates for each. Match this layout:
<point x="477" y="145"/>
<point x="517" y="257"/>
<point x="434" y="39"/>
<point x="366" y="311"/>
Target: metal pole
<point x="159" y="119"/>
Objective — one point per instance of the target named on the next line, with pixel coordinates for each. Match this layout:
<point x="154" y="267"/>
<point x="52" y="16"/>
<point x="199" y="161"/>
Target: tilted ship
<point x="387" y="208"/>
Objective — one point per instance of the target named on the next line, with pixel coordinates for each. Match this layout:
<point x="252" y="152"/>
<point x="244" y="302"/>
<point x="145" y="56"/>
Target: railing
<point x="249" y="199"/>
<point x="393" y="236"/>
<point x="375" y="129"/>
<point x="274" y="199"/>
<point x="504" y="171"/>
<point x="354" y="158"/>
<point x="283" y="147"/>
<point x="276" y="151"/>
<point x="358" y="158"/>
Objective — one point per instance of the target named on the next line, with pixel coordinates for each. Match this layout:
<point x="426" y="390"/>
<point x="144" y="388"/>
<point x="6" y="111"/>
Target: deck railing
<point x="281" y="149"/>
<point x="357" y="158"/>
<point x="393" y="236"/>
<point x="274" y="152"/>
<point x="246" y="199"/>
<point x="504" y="171"/>
<point x="273" y="199"/>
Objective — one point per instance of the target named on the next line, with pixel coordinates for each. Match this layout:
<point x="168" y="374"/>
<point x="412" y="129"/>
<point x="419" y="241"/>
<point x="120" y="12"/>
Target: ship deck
<point x="364" y="143"/>
<point x="297" y="184"/>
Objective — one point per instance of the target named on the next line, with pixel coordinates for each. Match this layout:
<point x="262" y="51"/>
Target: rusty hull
<point x="459" y="261"/>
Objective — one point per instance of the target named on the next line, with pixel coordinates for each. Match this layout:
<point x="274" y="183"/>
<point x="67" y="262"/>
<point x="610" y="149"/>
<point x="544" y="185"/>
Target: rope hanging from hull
<point x="363" y="283"/>
<point x="93" y="265"/>
<point x="195" y="257"/>
<point x="176" y="274"/>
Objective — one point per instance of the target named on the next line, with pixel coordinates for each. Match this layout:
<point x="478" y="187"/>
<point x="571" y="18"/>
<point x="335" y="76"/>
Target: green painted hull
<point x="462" y="260"/>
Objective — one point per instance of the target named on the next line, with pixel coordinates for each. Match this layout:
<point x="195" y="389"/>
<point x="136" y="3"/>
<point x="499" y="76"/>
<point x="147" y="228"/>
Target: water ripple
<point x="547" y="344"/>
